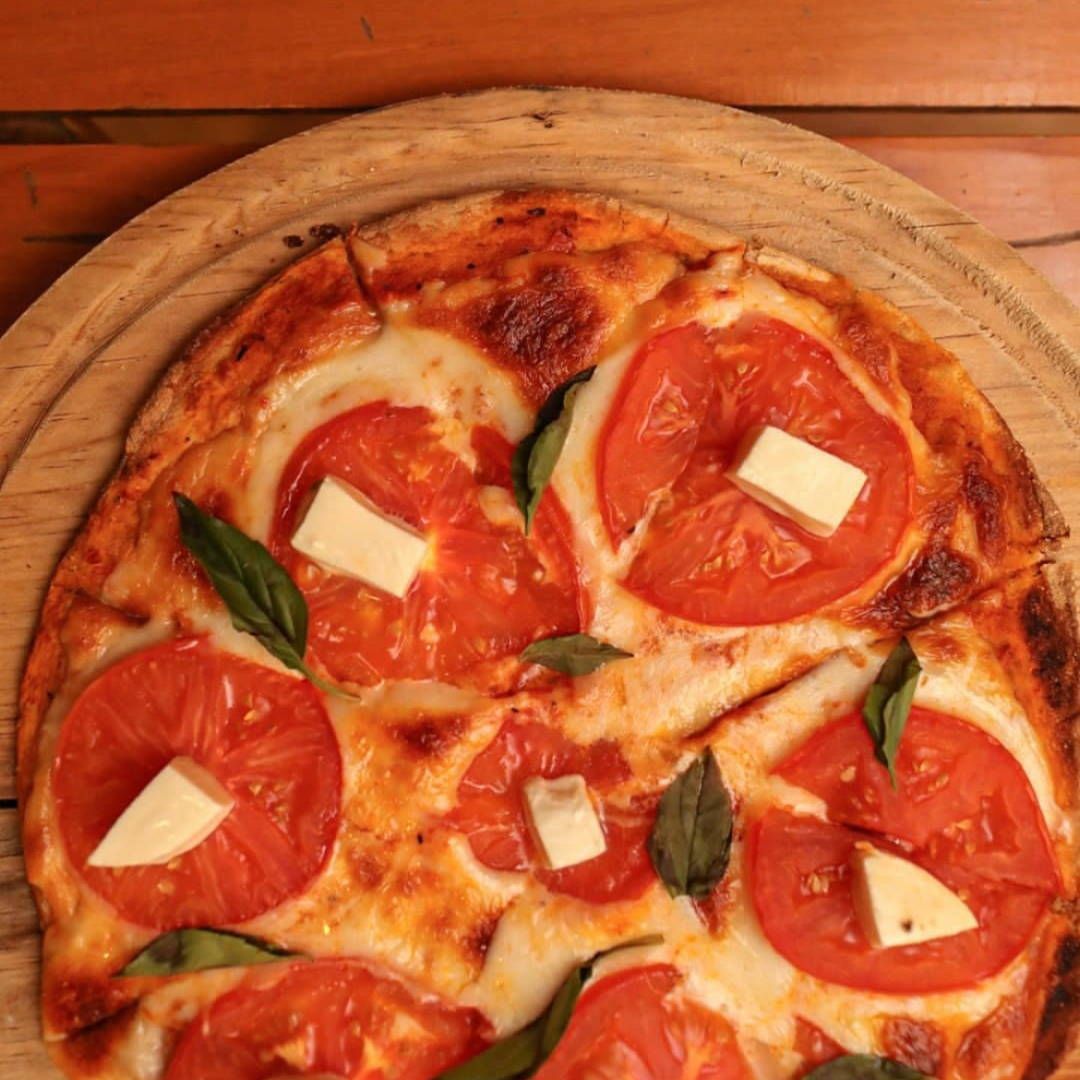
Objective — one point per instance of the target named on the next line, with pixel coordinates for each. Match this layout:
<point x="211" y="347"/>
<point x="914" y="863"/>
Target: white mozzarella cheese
<point x="344" y="532"/>
<point x="900" y="903"/>
<point x="174" y="813"/>
<point x="814" y="488"/>
<point x="563" y="820"/>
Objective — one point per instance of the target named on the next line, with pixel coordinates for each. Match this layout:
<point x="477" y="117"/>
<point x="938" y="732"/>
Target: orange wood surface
<point x="56" y="202"/>
<point x="214" y="54"/>
<point x="1027" y="190"/>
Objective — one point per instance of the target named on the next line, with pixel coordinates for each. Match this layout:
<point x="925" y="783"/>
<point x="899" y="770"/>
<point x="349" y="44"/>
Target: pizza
<point x="533" y="635"/>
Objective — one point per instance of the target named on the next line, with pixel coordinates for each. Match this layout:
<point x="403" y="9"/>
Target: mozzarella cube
<point x="814" y="488"/>
<point x="174" y="813"/>
<point x="346" y="534"/>
<point x="900" y="903"/>
<point x="563" y="820"/>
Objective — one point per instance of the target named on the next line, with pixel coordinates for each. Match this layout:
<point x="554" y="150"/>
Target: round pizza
<point x="536" y="636"/>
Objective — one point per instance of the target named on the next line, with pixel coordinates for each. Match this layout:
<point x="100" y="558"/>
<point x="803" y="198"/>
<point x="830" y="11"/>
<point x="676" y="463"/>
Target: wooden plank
<point x="1023" y="189"/>
<point x="326" y="54"/>
<point x="56" y="202"/>
<point x="1027" y="190"/>
<point x="22" y="1054"/>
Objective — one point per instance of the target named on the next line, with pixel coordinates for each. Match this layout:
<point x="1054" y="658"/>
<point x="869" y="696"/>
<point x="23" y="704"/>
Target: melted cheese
<point x="412" y="897"/>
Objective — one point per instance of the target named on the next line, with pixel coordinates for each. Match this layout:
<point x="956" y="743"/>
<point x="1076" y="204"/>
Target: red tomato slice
<point x="491" y="812"/>
<point x="799" y="869"/>
<point x="963" y="799"/>
<point x="712" y="554"/>
<point x="487" y="591"/>
<point x="327" y="1017"/>
<point x="264" y="735"/>
<point x="667" y="393"/>
<point x="814" y="1046"/>
<point x="633" y="1026"/>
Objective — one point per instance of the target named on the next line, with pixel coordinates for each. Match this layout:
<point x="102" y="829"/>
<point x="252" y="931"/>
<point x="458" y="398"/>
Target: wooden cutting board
<point x="75" y="367"/>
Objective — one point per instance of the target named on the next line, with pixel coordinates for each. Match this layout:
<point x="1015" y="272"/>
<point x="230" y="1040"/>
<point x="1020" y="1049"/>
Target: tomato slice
<point x="491" y="812"/>
<point x="632" y="1025"/>
<point x="667" y="395"/>
<point x="799" y="868"/>
<point x="814" y="1046"/>
<point x="264" y="735"/>
<point x="963" y="809"/>
<point x="962" y="798"/>
<point x="486" y="592"/>
<point x="330" y="1017"/>
<point x="710" y="553"/>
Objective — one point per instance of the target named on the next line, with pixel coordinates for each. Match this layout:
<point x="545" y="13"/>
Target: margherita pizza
<point x="534" y="636"/>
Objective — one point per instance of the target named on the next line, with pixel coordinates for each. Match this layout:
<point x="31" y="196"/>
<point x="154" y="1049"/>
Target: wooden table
<point x="106" y="106"/>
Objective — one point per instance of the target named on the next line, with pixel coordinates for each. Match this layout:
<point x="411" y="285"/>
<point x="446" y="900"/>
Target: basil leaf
<point x="888" y="703"/>
<point x="261" y="598"/>
<point x="181" y="951"/>
<point x="511" y="1057"/>
<point x="535" y="456"/>
<point x="574" y="654"/>
<point x="521" y="1054"/>
<point x="690" y="843"/>
<point x="864" y="1067"/>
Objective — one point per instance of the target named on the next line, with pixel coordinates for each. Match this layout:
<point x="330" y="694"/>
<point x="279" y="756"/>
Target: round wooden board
<point x="76" y="366"/>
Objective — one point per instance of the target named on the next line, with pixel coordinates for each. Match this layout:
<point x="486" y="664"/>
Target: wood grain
<point x="76" y="366"/>
<point x="111" y="54"/>
<point x="1023" y="189"/>
<point x="56" y="202"/>
<point x="22" y="1055"/>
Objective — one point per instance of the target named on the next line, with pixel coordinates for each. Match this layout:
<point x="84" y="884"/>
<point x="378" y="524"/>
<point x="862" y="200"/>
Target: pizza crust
<point x="541" y="283"/>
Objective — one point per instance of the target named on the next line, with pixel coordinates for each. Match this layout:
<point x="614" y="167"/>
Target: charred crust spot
<point x="537" y="211"/>
<point x="324" y="232"/>
<point x="245" y="344"/>
<point x="431" y="736"/>
<point x="987" y="505"/>
<point x="293" y="241"/>
<point x="1067" y="961"/>
<point x="545" y="330"/>
<point x="479" y="938"/>
<point x="918" y="1044"/>
<point x="937" y="578"/>
<point x="1059" y="1012"/>
<point x="500" y="220"/>
<point x="1051" y="648"/>
<point x="95" y="1046"/>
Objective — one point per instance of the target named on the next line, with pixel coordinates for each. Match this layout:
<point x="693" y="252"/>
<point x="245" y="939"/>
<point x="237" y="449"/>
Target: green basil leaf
<point x="511" y="1057"/>
<point x="864" y="1067"/>
<point x="574" y="654"/>
<point x="261" y="598"/>
<point x="535" y="456"/>
<point x="181" y="951"/>
<point x="521" y="1054"/>
<point x="557" y="1017"/>
<point x="690" y="843"/>
<point x="888" y="703"/>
